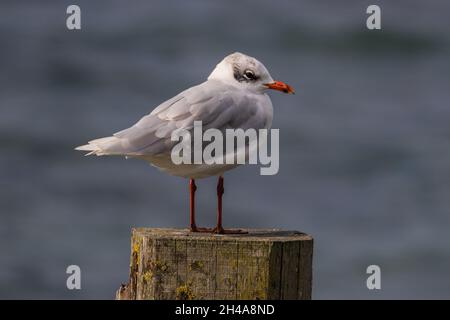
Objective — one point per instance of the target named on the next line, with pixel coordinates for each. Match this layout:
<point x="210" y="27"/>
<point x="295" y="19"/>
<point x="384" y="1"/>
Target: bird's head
<point x="248" y="73"/>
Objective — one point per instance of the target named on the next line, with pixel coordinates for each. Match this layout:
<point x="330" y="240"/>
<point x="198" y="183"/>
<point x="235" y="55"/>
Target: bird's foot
<point x="217" y="230"/>
<point x="200" y="229"/>
<point x="220" y="230"/>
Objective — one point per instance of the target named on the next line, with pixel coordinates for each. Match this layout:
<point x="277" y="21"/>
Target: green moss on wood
<point x="184" y="292"/>
<point x="197" y="266"/>
<point x="148" y="276"/>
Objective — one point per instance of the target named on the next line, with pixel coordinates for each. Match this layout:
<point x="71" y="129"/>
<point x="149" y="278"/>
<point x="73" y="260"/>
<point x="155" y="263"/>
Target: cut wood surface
<point x="178" y="264"/>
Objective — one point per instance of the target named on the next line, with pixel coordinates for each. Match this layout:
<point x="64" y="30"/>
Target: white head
<point x="246" y="72"/>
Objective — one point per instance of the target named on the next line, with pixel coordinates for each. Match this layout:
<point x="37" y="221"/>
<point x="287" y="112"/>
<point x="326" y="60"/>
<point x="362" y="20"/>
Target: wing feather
<point x="215" y="104"/>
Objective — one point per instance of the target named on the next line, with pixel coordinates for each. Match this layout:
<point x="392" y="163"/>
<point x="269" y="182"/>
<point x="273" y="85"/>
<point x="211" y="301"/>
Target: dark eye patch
<point x="246" y="75"/>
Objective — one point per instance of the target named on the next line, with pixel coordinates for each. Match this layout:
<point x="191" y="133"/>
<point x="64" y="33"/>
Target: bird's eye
<point x="249" y="75"/>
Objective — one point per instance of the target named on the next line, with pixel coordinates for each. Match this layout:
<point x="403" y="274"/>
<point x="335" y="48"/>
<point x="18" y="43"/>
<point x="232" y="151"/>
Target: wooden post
<point x="178" y="264"/>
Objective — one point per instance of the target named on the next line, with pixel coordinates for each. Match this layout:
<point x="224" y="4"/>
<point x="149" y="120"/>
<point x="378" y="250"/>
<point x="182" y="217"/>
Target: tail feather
<point x="86" y="147"/>
<point x="102" y="146"/>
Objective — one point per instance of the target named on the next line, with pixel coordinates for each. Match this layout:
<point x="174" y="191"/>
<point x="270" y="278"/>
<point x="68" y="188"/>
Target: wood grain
<point x="177" y="264"/>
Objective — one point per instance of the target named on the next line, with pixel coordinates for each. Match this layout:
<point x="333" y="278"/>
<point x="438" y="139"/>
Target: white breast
<point x="244" y="111"/>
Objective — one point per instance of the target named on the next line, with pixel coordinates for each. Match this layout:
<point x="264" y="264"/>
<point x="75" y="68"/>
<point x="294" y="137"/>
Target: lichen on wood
<point x="178" y="264"/>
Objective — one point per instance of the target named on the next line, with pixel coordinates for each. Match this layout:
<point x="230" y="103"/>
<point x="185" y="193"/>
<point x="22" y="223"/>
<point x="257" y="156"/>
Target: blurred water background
<point x="365" y="143"/>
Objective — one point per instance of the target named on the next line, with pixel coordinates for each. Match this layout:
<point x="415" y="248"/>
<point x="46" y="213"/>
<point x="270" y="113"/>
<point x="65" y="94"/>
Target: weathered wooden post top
<point x="178" y="264"/>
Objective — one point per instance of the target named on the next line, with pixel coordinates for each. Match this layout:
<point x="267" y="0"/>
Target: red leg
<point x="192" y="189"/>
<point x="220" y="191"/>
<point x="193" y="225"/>
<point x="219" y="228"/>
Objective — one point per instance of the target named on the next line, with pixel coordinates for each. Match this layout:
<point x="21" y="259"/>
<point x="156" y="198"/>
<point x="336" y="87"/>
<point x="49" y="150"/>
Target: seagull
<point x="233" y="96"/>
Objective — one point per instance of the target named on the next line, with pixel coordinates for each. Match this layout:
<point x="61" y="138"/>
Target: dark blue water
<point x="365" y="142"/>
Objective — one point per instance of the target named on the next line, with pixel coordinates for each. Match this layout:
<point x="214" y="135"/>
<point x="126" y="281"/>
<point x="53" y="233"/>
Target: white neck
<point x="222" y="72"/>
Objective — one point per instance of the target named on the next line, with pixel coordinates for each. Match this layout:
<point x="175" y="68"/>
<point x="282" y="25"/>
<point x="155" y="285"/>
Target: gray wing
<point x="216" y="105"/>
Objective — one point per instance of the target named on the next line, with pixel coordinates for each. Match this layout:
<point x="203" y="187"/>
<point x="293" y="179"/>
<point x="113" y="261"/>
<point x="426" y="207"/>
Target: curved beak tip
<point x="280" y="86"/>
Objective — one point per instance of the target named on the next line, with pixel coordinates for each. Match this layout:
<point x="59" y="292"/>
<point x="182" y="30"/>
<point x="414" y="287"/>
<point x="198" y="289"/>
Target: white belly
<point x="193" y="171"/>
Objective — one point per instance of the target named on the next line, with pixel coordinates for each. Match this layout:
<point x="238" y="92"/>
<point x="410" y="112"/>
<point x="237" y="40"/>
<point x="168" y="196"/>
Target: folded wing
<point x="216" y="105"/>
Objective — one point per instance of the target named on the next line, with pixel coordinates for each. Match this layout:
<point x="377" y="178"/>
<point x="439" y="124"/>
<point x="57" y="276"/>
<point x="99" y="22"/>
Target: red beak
<point x="280" y="86"/>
